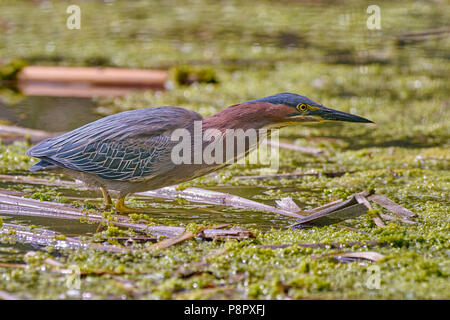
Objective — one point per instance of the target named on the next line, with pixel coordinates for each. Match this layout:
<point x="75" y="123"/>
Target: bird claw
<point x="123" y="209"/>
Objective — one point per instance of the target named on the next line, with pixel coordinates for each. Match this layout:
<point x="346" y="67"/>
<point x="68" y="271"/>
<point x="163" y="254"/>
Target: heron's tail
<point x="42" y="165"/>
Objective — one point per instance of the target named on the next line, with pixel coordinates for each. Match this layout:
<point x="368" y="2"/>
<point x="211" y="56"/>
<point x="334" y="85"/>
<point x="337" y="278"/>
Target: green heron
<point x="131" y="151"/>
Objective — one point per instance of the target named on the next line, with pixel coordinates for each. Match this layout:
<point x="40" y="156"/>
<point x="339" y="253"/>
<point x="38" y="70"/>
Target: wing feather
<point x="130" y="145"/>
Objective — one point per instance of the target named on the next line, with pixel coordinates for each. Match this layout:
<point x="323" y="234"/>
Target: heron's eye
<point x="302" y="107"/>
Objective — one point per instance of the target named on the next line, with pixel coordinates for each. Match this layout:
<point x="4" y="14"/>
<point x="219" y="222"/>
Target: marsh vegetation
<point x="319" y="49"/>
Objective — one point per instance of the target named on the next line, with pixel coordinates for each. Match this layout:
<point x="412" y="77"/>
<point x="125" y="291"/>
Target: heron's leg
<point x="107" y="198"/>
<point x="122" y="208"/>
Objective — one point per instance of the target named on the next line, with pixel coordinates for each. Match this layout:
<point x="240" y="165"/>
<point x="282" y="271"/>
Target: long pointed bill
<point x="335" y="115"/>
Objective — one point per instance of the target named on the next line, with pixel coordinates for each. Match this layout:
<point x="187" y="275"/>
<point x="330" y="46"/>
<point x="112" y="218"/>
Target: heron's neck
<point x="239" y="116"/>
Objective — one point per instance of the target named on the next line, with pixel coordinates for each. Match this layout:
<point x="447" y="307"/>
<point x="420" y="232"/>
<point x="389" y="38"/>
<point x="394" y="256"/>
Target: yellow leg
<point x="122" y="208"/>
<point x="108" y="202"/>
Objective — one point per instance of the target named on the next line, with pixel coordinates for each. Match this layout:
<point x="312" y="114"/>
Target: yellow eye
<point x="302" y="107"/>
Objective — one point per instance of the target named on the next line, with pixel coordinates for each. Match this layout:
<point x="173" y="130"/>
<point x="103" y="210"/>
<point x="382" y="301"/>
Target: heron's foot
<point x="107" y="198"/>
<point x="123" y="209"/>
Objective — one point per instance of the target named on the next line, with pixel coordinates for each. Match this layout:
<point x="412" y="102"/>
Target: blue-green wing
<point x="126" y="159"/>
<point x="130" y="145"/>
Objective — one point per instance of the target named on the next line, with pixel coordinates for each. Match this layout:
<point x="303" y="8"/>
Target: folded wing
<point x="131" y="145"/>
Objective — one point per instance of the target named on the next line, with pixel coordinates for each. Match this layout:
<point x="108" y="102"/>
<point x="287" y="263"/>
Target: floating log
<point x="94" y="75"/>
<point x="216" y="198"/>
<point x="87" y="81"/>
<point x="78" y="90"/>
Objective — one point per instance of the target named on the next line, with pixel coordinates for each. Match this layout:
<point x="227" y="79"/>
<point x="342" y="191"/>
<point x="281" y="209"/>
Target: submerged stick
<point x="366" y="255"/>
<point x="390" y="205"/>
<point x="44" y="237"/>
<point x="187" y="235"/>
<point x="4" y="295"/>
<point x="422" y="35"/>
<point x="12" y="205"/>
<point x="388" y="217"/>
<point x="171" y="241"/>
<point x="17" y="206"/>
<point x="288" y="146"/>
<point x="232" y="233"/>
<point x="293" y="175"/>
<point x="41" y="181"/>
<point x="9" y="134"/>
<point x="216" y="198"/>
<point x="12" y="265"/>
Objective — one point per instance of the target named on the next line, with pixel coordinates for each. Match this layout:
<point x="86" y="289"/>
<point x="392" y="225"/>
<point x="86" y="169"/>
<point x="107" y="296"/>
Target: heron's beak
<point x="335" y="115"/>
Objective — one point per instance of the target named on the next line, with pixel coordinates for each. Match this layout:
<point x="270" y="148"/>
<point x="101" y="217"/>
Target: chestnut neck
<point x="240" y="116"/>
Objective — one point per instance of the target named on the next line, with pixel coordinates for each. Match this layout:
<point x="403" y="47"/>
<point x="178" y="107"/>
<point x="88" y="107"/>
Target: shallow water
<point x="53" y="114"/>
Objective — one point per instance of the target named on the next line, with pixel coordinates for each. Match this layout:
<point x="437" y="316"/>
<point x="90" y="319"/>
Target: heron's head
<point x="288" y="108"/>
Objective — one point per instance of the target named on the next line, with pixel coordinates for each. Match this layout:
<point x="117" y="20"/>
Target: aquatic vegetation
<point x="184" y="74"/>
<point x="9" y="69"/>
<point x="322" y="51"/>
